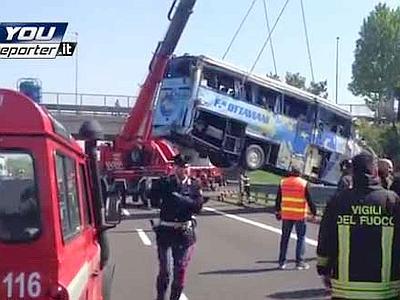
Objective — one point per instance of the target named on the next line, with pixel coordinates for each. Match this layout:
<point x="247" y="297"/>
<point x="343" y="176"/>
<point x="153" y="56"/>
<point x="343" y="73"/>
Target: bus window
<point x="223" y="83"/>
<point x="68" y="196"/>
<point x="295" y="108"/>
<point x="267" y="99"/>
<point x="226" y="85"/>
<point x="209" y="79"/>
<point x="329" y="121"/>
<point x="19" y="208"/>
<point x="178" y="68"/>
<point x="248" y="92"/>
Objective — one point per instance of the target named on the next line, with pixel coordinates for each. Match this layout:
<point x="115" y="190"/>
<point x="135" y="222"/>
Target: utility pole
<point x="76" y="68"/>
<point x="337" y="69"/>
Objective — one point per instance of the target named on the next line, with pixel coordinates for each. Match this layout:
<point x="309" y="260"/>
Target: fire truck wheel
<point x="255" y="157"/>
<point x="108" y="278"/>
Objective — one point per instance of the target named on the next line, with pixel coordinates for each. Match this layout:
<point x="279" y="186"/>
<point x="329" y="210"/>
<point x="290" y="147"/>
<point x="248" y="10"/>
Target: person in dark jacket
<point x="346" y="180"/>
<point x="395" y="187"/>
<point x="245" y="186"/>
<point x="359" y="238"/>
<point x="180" y="199"/>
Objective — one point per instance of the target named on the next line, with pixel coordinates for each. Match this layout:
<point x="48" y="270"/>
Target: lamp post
<point x="337" y="69"/>
<point x="76" y="67"/>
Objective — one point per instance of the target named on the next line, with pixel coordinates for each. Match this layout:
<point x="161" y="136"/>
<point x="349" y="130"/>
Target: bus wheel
<point x="255" y="157"/>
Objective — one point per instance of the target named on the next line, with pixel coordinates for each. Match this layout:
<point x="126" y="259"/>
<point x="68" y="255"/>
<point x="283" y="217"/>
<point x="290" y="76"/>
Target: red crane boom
<point x="137" y="128"/>
<point x="135" y="155"/>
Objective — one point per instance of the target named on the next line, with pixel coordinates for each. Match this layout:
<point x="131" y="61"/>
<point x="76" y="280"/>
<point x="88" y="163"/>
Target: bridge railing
<point x="105" y="104"/>
<point x="108" y="100"/>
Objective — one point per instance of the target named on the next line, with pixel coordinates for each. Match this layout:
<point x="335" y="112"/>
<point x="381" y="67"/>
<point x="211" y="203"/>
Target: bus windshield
<point x="177" y="69"/>
<point x="19" y="211"/>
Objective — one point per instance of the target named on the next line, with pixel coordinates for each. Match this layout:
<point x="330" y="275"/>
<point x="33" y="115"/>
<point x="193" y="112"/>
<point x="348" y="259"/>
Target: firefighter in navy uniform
<point x="180" y="199"/>
<point x="359" y="239"/>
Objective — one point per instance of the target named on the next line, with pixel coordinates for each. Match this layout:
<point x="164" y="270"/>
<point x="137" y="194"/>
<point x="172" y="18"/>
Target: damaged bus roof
<point x="274" y="84"/>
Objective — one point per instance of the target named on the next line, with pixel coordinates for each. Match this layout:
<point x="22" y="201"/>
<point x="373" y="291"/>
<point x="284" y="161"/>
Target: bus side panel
<point x="293" y="136"/>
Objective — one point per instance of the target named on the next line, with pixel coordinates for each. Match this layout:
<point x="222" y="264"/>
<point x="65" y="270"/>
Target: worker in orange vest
<point x="292" y="204"/>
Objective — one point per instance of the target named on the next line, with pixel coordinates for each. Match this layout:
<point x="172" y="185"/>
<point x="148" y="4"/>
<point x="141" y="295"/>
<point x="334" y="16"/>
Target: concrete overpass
<point x="110" y="122"/>
<point x="72" y="110"/>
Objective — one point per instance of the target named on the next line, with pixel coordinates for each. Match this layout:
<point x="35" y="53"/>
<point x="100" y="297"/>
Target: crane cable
<point x="307" y="41"/>
<point x="267" y="40"/>
<point x="239" y="28"/>
<point x="269" y="30"/>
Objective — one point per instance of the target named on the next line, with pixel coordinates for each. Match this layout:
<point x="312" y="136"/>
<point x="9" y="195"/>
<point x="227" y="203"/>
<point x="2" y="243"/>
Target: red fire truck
<point x="135" y="157"/>
<point x="53" y="243"/>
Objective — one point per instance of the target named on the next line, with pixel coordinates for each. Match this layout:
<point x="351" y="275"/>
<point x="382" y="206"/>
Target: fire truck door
<point x="91" y="241"/>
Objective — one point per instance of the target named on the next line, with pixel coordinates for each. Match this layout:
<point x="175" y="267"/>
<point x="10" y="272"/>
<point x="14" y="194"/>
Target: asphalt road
<point x="235" y="258"/>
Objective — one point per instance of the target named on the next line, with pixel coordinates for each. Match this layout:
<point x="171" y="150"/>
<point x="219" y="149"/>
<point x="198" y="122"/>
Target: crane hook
<point x="171" y="10"/>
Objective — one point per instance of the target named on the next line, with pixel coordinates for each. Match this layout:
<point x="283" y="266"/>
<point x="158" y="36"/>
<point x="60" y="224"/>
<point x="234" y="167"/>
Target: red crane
<point x="135" y="155"/>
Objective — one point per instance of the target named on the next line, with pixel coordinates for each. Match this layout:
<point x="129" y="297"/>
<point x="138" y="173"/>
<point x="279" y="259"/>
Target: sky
<point x="117" y="38"/>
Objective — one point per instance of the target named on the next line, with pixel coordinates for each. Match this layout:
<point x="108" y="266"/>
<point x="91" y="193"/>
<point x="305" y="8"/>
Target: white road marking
<point x="143" y="236"/>
<point x="183" y="297"/>
<point x="125" y="212"/>
<point x="258" y="224"/>
<point x="145" y="239"/>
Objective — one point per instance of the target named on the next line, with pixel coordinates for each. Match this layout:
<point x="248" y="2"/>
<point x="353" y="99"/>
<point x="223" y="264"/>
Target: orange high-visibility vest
<point x="294" y="204"/>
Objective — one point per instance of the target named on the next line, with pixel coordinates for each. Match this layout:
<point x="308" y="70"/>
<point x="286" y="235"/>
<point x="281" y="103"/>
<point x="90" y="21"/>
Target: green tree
<point x="273" y="76"/>
<point x="376" y="68"/>
<point x="373" y="136"/>
<point x="316" y="88"/>
<point x="296" y="80"/>
<point x="319" y="88"/>
<point x="382" y="138"/>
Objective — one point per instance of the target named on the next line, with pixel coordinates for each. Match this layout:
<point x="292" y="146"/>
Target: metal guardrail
<point x="266" y="194"/>
<point x="83" y="99"/>
<point x="319" y="194"/>
<point x="88" y="109"/>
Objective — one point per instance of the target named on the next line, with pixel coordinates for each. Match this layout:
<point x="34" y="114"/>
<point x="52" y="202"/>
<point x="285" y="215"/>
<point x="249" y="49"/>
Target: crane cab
<point x="52" y="240"/>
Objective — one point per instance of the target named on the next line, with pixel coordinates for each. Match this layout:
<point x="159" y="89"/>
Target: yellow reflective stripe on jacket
<point x="322" y="261"/>
<point x="294" y="209"/>
<point x="346" y="289"/>
<point x="387" y="242"/>
<point x="293" y="199"/>
<point x="365" y="286"/>
<point x="365" y="294"/>
<point x="344" y="252"/>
